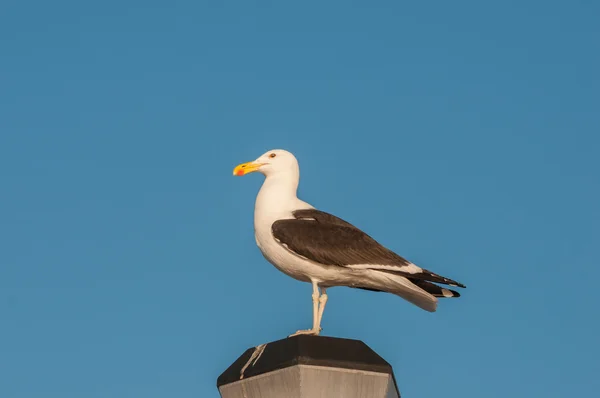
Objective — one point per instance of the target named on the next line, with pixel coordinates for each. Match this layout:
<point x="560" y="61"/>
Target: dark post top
<point x="307" y="350"/>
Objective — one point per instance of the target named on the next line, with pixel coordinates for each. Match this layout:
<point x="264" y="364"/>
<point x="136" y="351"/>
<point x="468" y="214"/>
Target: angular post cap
<point x="309" y="366"/>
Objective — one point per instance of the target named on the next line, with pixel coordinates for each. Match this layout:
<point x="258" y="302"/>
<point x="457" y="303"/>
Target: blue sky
<point x="463" y="135"/>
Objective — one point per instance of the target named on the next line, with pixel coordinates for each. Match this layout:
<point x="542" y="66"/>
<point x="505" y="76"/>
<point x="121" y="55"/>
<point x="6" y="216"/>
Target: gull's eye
<point x="272" y="155"/>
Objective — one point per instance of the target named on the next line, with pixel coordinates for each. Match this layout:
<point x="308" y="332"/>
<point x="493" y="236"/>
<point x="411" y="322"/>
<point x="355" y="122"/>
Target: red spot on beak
<point x="240" y="172"/>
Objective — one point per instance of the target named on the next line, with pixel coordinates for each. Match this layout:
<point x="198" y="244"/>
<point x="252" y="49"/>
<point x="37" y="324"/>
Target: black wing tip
<point x="444" y="280"/>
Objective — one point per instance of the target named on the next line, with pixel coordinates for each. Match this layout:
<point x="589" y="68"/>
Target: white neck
<point x="277" y="195"/>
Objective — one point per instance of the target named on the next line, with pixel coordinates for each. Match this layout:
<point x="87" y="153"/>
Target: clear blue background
<point x="464" y="135"/>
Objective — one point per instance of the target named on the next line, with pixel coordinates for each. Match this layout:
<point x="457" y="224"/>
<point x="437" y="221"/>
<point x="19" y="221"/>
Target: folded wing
<point x="326" y="239"/>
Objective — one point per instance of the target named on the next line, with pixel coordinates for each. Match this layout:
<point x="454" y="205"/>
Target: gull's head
<point x="272" y="162"/>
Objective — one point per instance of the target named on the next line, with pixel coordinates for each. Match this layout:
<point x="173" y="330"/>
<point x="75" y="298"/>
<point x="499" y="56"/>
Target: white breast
<point x="273" y="251"/>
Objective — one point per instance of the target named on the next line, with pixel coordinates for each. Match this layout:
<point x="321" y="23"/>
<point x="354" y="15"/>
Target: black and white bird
<point x="313" y="246"/>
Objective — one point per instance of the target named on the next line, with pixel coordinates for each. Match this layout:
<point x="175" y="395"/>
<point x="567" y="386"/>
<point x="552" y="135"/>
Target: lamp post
<point x="307" y="366"/>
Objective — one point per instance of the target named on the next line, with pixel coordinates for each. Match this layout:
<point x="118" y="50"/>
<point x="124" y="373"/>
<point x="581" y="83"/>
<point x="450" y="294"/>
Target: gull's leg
<point x="315" y="329"/>
<point x="322" y="302"/>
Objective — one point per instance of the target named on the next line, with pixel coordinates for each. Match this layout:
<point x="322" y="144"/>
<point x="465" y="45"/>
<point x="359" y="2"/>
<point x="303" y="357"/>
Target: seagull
<point x="319" y="248"/>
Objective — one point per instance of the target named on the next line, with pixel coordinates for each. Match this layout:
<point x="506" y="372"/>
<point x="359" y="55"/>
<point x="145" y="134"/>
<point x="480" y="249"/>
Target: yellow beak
<point x="245" y="168"/>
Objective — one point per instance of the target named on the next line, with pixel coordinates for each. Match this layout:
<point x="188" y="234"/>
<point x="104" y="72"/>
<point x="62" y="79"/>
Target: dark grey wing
<point x="333" y="244"/>
<point x="326" y="239"/>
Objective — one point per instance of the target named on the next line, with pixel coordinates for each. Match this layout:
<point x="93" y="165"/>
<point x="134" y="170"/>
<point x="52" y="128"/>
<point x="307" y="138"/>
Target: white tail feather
<point x="400" y="286"/>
